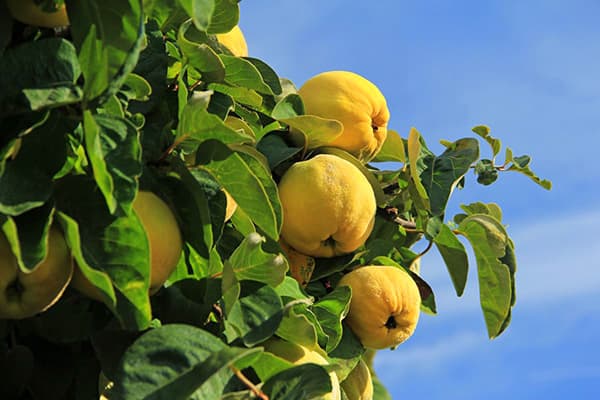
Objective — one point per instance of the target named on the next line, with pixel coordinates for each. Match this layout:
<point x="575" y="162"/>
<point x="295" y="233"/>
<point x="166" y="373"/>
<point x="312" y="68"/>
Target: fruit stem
<point x="257" y="392"/>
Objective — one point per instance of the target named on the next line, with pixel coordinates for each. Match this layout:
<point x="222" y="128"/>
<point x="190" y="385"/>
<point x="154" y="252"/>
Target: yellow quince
<point x="235" y="42"/>
<point x="385" y="305"/>
<point x="328" y="206"/>
<point x="354" y="101"/>
<point x="28" y="12"/>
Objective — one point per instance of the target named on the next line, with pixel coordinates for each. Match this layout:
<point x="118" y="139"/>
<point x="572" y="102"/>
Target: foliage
<point x="139" y="96"/>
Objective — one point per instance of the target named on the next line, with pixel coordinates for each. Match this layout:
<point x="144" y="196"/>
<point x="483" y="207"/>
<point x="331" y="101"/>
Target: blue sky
<point x="529" y="70"/>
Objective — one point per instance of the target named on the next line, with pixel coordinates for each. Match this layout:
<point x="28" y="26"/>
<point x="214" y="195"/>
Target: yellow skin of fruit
<point x="231" y="206"/>
<point x="235" y="42"/>
<point x="328" y="206"/>
<point x="358" y="385"/>
<point x="298" y="355"/>
<point x="38" y="290"/>
<point x="385" y="305"/>
<point x="27" y="12"/>
<point x="354" y="101"/>
<point x="301" y="265"/>
<point x="164" y="239"/>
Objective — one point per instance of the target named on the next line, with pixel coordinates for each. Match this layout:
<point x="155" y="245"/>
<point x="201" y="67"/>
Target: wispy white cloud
<point x="427" y="357"/>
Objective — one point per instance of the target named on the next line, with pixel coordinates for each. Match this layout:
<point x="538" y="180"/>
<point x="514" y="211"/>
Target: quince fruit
<point x="358" y="385"/>
<point x="231" y="206"/>
<point x="328" y="206"/>
<point x="28" y="12"/>
<point x="235" y="42"/>
<point x="22" y="294"/>
<point x="164" y="239"/>
<point x="301" y="265"/>
<point x="298" y="355"/>
<point x="385" y="305"/>
<point x="354" y="101"/>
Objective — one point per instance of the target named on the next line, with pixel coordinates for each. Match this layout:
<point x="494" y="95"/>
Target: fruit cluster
<point x="213" y="217"/>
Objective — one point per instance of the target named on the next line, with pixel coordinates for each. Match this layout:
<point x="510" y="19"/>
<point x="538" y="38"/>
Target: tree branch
<point x="257" y="392"/>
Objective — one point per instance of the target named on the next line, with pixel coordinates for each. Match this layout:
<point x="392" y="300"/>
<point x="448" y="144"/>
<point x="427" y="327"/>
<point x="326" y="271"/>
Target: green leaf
<point x="38" y="74"/>
<point x="116" y="245"/>
<point x="379" y="390"/>
<point x="225" y="16"/>
<point x="415" y="150"/>
<point x="392" y="149"/>
<point x="29" y="176"/>
<point x="489" y="241"/>
<point x="484" y="132"/>
<point x="249" y="261"/>
<point x="112" y="145"/>
<point x="108" y="39"/>
<point x="243" y="73"/>
<point x="307" y="381"/>
<point x="190" y="358"/>
<point x="491" y="209"/>
<point x="300" y="325"/>
<point x="197" y="124"/>
<point x="98" y="278"/>
<point x="455" y="257"/>
<point x="191" y="205"/>
<point x="330" y="311"/>
<point x="268" y="75"/>
<point x="27" y="234"/>
<point x="200" y="11"/>
<point x="230" y="287"/>
<point x="256" y="316"/>
<point x="521" y="164"/>
<point x="199" y="54"/>
<point x="314" y="131"/>
<point x="486" y="172"/>
<point x="247" y="181"/>
<point x="276" y="149"/>
<point x="442" y="173"/>
<point x="289" y="106"/>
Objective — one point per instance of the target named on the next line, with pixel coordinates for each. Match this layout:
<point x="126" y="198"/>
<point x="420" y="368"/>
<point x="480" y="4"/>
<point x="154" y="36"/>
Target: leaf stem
<point x="172" y="147"/>
<point x="257" y="392"/>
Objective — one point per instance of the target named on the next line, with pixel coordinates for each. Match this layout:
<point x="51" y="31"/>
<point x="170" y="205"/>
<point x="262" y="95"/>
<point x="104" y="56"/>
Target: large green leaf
<point x="199" y="54"/>
<point x="189" y="358"/>
<point x="26" y="182"/>
<point x="307" y="381"/>
<point x="249" y="261"/>
<point x="27" y="234"/>
<point x="247" y="181"/>
<point x="300" y="325"/>
<point x="243" y="73"/>
<point x="197" y="124"/>
<point x="330" y="311"/>
<point x="392" y="149"/>
<point x="115" y="245"/>
<point x="489" y="241"/>
<point x="108" y="35"/>
<point x="442" y="173"/>
<point x="454" y="254"/>
<point x="112" y="145"/>
<point x="37" y="75"/>
<point x="256" y="316"/>
<point x="212" y="16"/>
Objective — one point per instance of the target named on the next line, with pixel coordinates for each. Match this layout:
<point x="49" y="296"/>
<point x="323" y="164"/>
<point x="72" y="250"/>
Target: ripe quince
<point x="235" y="42"/>
<point x="164" y="239"/>
<point x="358" y="385"/>
<point x="385" y="305"/>
<point x="354" y="101"/>
<point x="28" y="12"/>
<point x="23" y="295"/>
<point x="298" y="355"/>
<point x="328" y="206"/>
<point x="301" y="265"/>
